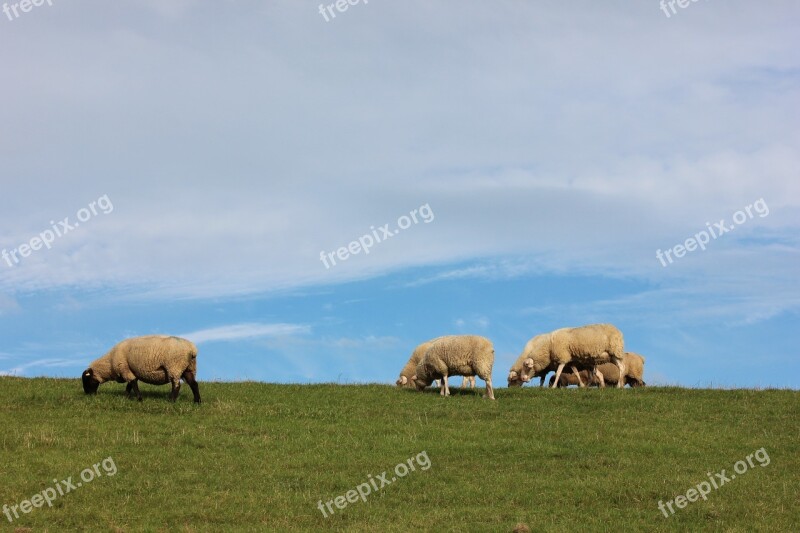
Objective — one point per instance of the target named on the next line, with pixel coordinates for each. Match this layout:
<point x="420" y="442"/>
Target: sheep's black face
<point x="90" y="384"/>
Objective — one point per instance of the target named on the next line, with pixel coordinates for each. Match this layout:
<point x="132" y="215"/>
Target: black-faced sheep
<point x="154" y="359"/>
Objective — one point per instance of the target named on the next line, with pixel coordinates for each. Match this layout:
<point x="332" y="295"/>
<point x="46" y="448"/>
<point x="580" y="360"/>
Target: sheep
<point x="634" y="370"/>
<point x="460" y="355"/>
<point x="406" y="378"/>
<point x="514" y="379"/>
<point x="154" y="359"/>
<point x="585" y="345"/>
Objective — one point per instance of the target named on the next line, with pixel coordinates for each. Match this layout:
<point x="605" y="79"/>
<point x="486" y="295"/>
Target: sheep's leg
<point x="445" y="391"/>
<point x="190" y="380"/>
<point x="558" y="375"/>
<point x="621" y="365"/>
<point x="464" y="382"/>
<point x="541" y="379"/>
<point x="489" y="390"/>
<point x="133" y="386"/>
<point x="176" y="389"/>
<point x="577" y="375"/>
<point x="601" y="380"/>
<point x="472" y="380"/>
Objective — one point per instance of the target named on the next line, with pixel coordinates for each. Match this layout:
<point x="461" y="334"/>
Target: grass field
<point x="259" y="457"/>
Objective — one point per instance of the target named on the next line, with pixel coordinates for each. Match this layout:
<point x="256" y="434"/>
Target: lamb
<point x="577" y="377"/>
<point x="460" y="355"/>
<point x="154" y="359"/>
<point x="514" y="379"/>
<point x="582" y="376"/>
<point x="585" y="345"/>
<point x="634" y="370"/>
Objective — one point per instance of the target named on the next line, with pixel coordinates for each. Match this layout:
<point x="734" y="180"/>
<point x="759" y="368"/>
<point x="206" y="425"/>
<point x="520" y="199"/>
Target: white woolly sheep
<point x="457" y="355"/>
<point x="406" y="378"/>
<point x="585" y="345"/>
<point x="153" y="359"/>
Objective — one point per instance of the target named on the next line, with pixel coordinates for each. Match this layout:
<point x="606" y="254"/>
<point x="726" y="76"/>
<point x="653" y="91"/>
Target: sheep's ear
<point x="528" y="363"/>
<point x="512" y="375"/>
<point x="403" y="380"/>
<point x="88" y="372"/>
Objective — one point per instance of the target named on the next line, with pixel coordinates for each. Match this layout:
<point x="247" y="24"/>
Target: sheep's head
<point x="514" y="379"/>
<point x="422" y="378"/>
<point x="421" y="384"/>
<point x="90" y="383"/>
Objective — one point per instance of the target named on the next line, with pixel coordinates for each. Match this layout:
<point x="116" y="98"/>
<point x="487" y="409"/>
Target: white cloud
<point x="236" y="332"/>
<point x="619" y="136"/>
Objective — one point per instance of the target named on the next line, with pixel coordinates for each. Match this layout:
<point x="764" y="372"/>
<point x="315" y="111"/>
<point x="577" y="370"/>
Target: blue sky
<point x="216" y="149"/>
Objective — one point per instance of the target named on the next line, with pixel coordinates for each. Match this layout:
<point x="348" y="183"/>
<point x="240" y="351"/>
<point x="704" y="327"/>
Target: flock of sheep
<point x="594" y="353"/>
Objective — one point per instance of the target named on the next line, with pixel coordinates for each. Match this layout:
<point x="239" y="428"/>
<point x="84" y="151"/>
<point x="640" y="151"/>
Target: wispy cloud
<point x="248" y="330"/>
<point x="47" y="363"/>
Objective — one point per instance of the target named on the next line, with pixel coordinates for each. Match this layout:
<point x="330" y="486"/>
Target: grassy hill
<point x="259" y="457"/>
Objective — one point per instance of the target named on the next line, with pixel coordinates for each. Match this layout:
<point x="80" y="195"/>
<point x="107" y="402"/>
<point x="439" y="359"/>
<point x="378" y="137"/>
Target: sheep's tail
<point x="193" y="358"/>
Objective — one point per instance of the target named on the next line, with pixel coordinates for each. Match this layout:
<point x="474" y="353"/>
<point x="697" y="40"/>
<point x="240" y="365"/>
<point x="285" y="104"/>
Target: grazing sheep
<point x="514" y="379"/>
<point x="460" y="355"/>
<point x="154" y="359"/>
<point x="406" y="378"/>
<point x="634" y="370"/>
<point x="585" y="345"/>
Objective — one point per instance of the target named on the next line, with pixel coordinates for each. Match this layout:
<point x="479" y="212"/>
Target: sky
<point x="230" y="171"/>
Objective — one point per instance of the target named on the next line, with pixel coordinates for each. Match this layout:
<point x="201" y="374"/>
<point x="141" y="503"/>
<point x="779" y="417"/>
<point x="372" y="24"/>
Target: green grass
<point x="258" y="457"/>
